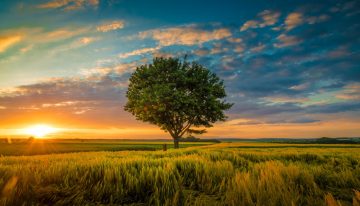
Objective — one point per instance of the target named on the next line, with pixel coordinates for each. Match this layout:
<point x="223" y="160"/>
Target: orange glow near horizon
<point x="229" y="129"/>
<point x="39" y="130"/>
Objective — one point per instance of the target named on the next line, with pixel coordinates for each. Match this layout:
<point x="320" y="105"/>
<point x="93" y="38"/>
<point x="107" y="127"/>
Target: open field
<point x="38" y="147"/>
<point x="218" y="174"/>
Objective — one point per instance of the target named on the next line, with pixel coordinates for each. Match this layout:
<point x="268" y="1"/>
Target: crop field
<point x="38" y="147"/>
<point x="215" y="174"/>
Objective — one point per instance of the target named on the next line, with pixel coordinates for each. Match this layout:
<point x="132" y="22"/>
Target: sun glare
<point x="40" y="131"/>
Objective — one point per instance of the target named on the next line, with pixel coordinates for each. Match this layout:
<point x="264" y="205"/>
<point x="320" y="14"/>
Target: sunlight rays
<point x="39" y="130"/>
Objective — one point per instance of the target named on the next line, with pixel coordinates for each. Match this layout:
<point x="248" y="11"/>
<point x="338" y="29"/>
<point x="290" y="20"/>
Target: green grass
<point x="39" y="147"/>
<point x="218" y="174"/>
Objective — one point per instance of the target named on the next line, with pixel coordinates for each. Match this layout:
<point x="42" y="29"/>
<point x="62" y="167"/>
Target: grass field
<point x="38" y="147"/>
<point x="217" y="174"/>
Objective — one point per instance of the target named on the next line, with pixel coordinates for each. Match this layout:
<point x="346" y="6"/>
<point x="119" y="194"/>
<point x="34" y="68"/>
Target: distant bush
<point x="194" y="139"/>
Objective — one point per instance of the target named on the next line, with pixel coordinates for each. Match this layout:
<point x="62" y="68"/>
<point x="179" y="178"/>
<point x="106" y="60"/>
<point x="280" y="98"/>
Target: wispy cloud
<point x="8" y="41"/>
<point x="69" y="5"/>
<point x="87" y="40"/>
<point x="339" y="52"/>
<point x="296" y="19"/>
<point x="27" y="48"/>
<point x="139" y="52"/>
<point x="62" y="33"/>
<point x="185" y="35"/>
<point x="249" y="24"/>
<point x="286" y="40"/>
<point x="350" y="92"/>
<point x="110" y="26"/>
<point x="265" y="18"/>
<point x="77" y="43"/>
<point x="28" y="38"/>
<point x="285" y="99"/>
<point x="258" y="48"/>
<point x="317" y="19"/>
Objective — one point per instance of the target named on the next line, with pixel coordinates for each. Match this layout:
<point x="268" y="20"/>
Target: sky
<point x="290" y="67"/>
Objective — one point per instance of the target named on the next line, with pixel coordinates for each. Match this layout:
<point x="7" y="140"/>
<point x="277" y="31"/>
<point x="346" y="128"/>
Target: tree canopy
<point x="178" y="96"/>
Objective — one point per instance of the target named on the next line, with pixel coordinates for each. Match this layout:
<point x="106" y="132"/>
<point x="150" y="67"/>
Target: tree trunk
<point x="176" y="143"/>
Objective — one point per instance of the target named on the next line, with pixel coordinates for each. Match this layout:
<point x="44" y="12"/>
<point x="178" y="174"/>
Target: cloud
<point x="110" y="26"/>
<point x="8" y="41"/>
<point x="61" y="34"/>
<point x="239" y="49"/>
<point x="119" y="69"/>
<point x="300" y="86"/>
<point x="296" y="19"/>
<point x="97" y="96"/>
<point x="27" y="48"/>
<point x="258" y="48"/>
<point x="33" y="36"/>
<point x="334" y="107"/>
<point x="350" y="92"/>
<point x="339" y="52"/>
<point x="60" y="104"/>
<point x="286" y="99"/>
<point x="219" y="48"/>
<point x="243" y="121"/>
<point x="265" y="18"/>
<point x="293" y="20"/>
<point x="69" y="5"/>
<point x="77" y="43"/>
<point x="246" y="122"/>
<point x="269" y="17"/>
<point x="139" y="52"/>
<point x="185" y="35"/>
<point x="344" y="6"/>
<point x="28" y="38"/>
<point x="249" y="24"/>
<point x="303" y="120"/>
<point x="235" y="40"/>
<point x="286" y="40"/>
<point x="317" y="19"/>
<point x="87" y="40"/>
<point x="267" y="84"/>
<point x="202" y="52"/>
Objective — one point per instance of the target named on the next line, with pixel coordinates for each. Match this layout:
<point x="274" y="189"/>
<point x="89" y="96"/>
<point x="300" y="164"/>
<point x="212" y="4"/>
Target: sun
<point x="40" y="130"/>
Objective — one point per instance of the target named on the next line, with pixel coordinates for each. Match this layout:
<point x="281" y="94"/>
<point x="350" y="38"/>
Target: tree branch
<point x="189" y="124"/>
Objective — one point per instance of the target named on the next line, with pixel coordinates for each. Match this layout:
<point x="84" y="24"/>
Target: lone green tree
<point x="178" y="96"/>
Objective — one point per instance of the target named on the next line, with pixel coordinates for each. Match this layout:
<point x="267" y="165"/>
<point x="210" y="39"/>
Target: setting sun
<point x="40" y="130"/>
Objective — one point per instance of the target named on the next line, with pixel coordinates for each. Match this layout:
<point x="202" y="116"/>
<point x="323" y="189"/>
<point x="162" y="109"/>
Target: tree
<point x="178" y="96"/>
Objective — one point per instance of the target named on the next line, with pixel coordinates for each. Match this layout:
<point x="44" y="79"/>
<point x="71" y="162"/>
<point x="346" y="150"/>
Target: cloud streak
<point x="110" y="26"/>
<point x="286" y="41"/>
<point x="185" y="35"/>
<point x="139" y="52"/>
<point x="69" y="5"/>
<point x="8" y="41"/>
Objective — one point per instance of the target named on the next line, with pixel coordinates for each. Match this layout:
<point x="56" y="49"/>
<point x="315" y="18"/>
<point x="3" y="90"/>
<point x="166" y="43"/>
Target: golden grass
<point x="221" y="174"/>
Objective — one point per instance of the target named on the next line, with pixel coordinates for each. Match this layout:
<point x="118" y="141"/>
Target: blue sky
<point x="290" y="67"/>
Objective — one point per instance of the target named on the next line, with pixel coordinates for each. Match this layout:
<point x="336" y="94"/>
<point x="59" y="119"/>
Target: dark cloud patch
<point x="295" y="121"/>
<point x="247" y="108"/>
<point x="249" y="123"/>
<point x="334" y="108"/>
